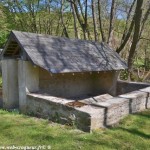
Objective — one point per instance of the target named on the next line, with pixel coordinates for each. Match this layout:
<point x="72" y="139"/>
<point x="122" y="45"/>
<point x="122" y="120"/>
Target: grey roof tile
<point x="60" y="55"/>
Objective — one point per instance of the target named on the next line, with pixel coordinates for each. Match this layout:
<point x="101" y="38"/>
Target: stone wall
<point x="10" y="83"/>
<point x="85" y="118"/>
<point x="137" y="100"/>
<point x="122" y="105"/>
<point x="28" y="79"/>
<point x="19" y="78"/>
<point x="91" y="116"/>
<point x="78" y="84"/>
<point x="115" y="109"/>
<point x="125" y="86"/>
<point x="147" y="90"/>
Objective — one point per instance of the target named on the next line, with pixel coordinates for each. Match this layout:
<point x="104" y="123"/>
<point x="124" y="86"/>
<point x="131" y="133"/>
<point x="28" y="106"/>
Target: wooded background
<point x="123" y="24"/>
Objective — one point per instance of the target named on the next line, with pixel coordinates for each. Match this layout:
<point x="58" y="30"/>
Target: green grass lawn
<point x="132" y="133"/>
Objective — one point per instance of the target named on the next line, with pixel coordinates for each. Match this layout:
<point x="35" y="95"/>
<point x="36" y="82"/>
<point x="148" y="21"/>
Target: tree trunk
<point x="100" y="22"/>
<point x="62" y="20"/>
<point x="111" y="23"/>
<point x="75" y="21"/>
<point x="82" y="19"/>
<point x="144" y="21"/>
<point x="127" y="21"/>
<point x="126" y="38"/>
<point x="94" y="20"/>
<point x="138" y="16"/>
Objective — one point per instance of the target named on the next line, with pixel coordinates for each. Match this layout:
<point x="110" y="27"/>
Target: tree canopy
<point x="123" y="24"/>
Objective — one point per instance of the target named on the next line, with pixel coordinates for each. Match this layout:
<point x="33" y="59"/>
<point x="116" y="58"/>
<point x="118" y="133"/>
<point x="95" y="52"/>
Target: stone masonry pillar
<point x="28" y="77"/>
<point x="10" y="83"/>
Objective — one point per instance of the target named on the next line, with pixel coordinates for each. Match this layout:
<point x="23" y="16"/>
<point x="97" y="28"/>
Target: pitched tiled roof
<point x="59" y="55"/>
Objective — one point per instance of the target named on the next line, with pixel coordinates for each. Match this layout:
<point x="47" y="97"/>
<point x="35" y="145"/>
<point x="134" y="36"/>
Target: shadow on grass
<point x="142" y="115"/>
<point x="136" y="132"/>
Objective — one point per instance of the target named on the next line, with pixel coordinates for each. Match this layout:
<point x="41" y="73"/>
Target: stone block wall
<point x="125" y="86"/>
<point x="28" y="79"/>
<point x="89" y="116"/>
<point x="10" y="83"/>
<point x="78" y="84"/>
<point x="137" y="100"/>
<point x="84" y="118"/>
<point x="147" y="90"/>
<point x="96" y="114"/>
<point x="115" y="109"/>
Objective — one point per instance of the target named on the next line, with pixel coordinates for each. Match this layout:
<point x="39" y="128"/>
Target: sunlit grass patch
<point x="132" y="133"/>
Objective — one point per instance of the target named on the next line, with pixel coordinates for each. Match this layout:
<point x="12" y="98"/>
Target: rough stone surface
<point x="28" y="82"/>
<point x="98" y="111"/>
<point x="147" y="90"/>
<point x="96" y="115"/>
<point x="96" y="99"/>
<point x="137" y="100"/>
<point x="126" y="87"/>
<point x="115" y="109"/>
<point x="86" y="118"/>
<point x="78" y="84"/>
<point x="10" y="83"/>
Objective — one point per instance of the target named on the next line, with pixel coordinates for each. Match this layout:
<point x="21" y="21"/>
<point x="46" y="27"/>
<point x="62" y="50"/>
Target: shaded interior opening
<point x="13" y="50"/>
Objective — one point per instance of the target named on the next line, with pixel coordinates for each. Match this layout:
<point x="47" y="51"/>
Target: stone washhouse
<point x="68" y="80"/>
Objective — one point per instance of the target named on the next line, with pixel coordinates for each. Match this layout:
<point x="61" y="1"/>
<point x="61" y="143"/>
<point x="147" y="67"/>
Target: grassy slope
<point x="132" y="133"/>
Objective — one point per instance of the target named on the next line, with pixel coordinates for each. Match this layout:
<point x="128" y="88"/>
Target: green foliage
<point x="132" y="133"/>
<point x="124" y="75"/>
<point x="5" y="25"/>
<point x="3" y="37"/>
<point x="139" y="63"/>
<point x="44" y="17"/>
<point x="147" y="63"/>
